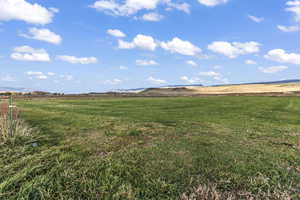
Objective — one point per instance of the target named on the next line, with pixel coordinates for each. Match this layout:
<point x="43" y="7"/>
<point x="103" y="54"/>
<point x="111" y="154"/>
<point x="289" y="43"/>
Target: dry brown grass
<point x="11" y="127"/>
<point x="210" y="192"/>
<point x="240" y="89"/>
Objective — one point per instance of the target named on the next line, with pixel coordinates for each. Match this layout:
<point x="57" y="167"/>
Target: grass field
<point x="156" y="148"/>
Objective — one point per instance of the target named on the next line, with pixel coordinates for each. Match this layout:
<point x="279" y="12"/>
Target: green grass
<point x="155" y="148"/>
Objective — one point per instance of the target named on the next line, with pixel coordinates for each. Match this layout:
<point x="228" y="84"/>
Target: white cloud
<point x="43" y="35"/>
<point x="185" y="7"/>
<point x="126" y="45"/>
<point x="113" y="82"/>
<point x="123" y="67"/>
<point x="37" y="75"/>
<point x="156" y="81"/>
<point x="279" y="55"/>
<point x="191" y="62"/>
<point x="191" y="80"/>
<point x="116" y="33"/>
<point x="76" y="60"/>
<point x="176" y="45"/>
<point x="235" y="49"/>
<point x="212" y="2"/>
<point x="48" y="75"/>
<point x="217" y="67"/>
<point x="250" y="62"/>
<point x="145" y="62"/>
<point x="293" y="3"/>
<point x="7" y="77"/>
<point x="131" y="7"/>
<point x="273" y="69"/>
<point x="27" y="53"/>
<point x="31" y="73"/>
<point x="256" y="19"/>
<point x="67" y="77"/>
<point x="54" y="10"/>
<point x="42" y="77"/>
<point x="215" y="75"/>
<point x="294" y="7"/>
<point x="25" y="11"/>
<point x="295" y="28"/>
<point x="140" y="41"/>
<point x="154" y="17"/>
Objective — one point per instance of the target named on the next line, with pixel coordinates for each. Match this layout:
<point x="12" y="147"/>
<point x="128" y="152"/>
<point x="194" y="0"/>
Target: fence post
<point x="11" y="116"/>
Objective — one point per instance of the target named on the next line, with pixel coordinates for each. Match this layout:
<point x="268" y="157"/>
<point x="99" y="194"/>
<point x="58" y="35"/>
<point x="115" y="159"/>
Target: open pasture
<point x="156" y="148"/>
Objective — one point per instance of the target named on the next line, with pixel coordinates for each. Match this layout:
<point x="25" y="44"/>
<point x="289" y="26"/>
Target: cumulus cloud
<point x="205" y="77"/>
<point x="156" y="81"/>
<point x="212" y="3"/>
<point x="131" y="7"/>
<point x="191" y="62"/>
<point x="176" y="45"/>
<point x="185" y="7"/>
<point x="294" y="8"/>
<point x="25" y="11"/>
<point x="76" y="60"/>
<point x="48" y="76"/>
<point x="43" y="35"/>
<point x="37" y="75"/>
<point x="116" y="33"/>
<point x="191" y="80"/>
<point x="256" y="19"/>
<point x="51" y="74"/>
<point x="293" y="3"/>
<point x="273" y="69"/>
<point x="122" y="67"/>
<point x="140" y="41"/>
<point x="146" y="62"/>
<point x="113" y="82"/>
<point x="215" y="75"/>
<point x="27" y="53"/>
<point x="67" y="77"/>
<point x="154" y="17"/>
<point x="7" y="77"/>
<point x="235" y="49"/>
<point x="288" y="29"/>
<point x="280" y="55"/>
<point x="250" y="62"/>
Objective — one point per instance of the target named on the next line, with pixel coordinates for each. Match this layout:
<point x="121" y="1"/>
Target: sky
<point x="103" y="45"/>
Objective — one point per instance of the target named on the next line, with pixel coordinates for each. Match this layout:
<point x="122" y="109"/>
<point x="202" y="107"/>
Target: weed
<point x="135" y="133"/>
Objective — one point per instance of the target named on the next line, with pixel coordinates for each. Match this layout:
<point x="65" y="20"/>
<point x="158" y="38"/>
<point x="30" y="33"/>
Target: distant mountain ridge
<point x="13" y="89"/>
<point x="200" y="85"/>
<point x="266" y="82"/>
<point x="166" y="86"/>
<point x="137" y="90"/>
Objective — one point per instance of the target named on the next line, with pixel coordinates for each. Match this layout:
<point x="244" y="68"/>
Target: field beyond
<point x="284" y="89"/>
<point x="156" y="148"/>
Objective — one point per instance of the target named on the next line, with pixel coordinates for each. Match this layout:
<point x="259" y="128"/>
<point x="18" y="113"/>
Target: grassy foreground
<point x="156" y="148"/>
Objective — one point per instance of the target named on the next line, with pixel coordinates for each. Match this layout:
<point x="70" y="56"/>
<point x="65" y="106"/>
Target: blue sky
<point x="90" y="45"/>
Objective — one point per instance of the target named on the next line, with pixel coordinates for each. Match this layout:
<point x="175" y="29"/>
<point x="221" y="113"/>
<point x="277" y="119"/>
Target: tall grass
<point x="12" y="127"/>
